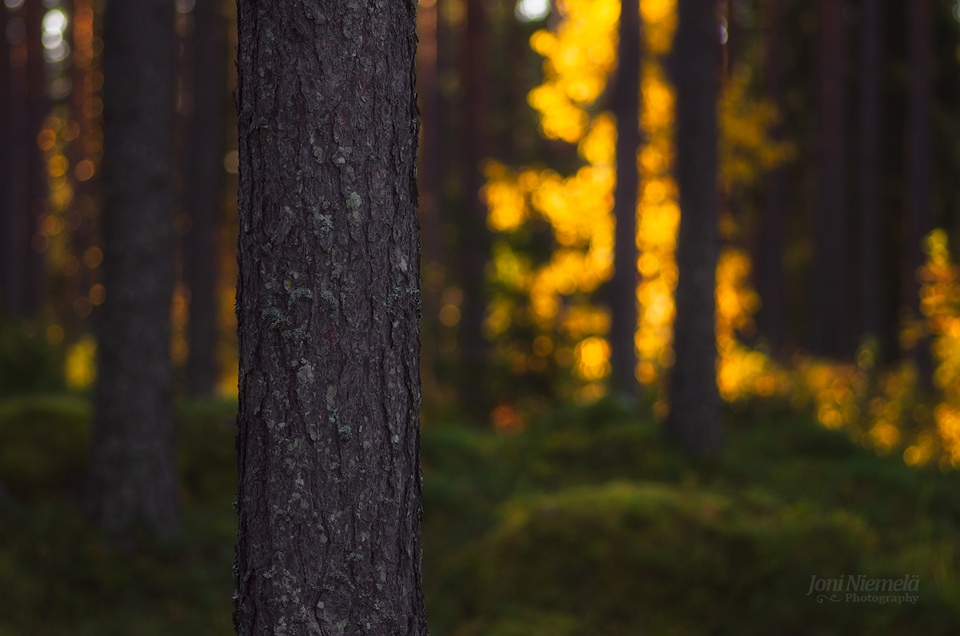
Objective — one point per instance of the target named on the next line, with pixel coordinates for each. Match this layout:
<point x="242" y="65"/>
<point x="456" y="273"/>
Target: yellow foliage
<point x="745" y="148"/>
<point x="80" y="364"/>
<point x="577" y="60"/>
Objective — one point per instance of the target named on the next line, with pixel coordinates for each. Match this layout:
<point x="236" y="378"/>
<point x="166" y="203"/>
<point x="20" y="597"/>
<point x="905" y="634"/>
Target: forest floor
<point x="586" y="523"/>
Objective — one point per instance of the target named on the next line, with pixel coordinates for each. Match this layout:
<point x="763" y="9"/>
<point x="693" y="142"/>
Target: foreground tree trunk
<point x="694" y="404"/>
<point x="622" y="288"/>
<point x="133" y="468"/>
<point x="328" y="309"/>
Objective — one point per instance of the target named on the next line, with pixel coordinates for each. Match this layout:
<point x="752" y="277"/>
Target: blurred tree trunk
<point x="38" y="107"/>
<point x="25" y="163"/>
<point x="694" y="404"/>
<point x="6" y="209"/>
<point x="133" y="458"/>
<point x="475" y="239"/>
<point x="429" y="179"/>
<point x="621" y="291"/>
<point x="203" y="181"/>
<point x="871" y="64"/>
<point x="769" y="270"/>
<point x="830" y="290"/>
<point x="918" y="217"/>
<point x="328" y="309"/>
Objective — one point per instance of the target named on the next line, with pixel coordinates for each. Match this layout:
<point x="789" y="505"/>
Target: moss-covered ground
<point x="587" y="523"/>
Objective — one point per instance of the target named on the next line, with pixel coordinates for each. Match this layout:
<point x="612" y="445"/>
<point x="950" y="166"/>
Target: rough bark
<point x="918" y="216"/>
<point x="769" y="271"/>
<point x="622" y="289"/>
<point x="203" y="180"/>
<point x="328" y="310"/>
<point x="694" y="403"/>
<point x="871" y="59"/>
<point x="830" y="297"/>
<point x="133" y="468"/>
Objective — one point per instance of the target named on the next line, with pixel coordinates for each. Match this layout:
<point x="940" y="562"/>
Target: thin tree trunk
<point x="918" y="217"/>
<point x="429" y="178"/>
<point x="694" y="403"/>
<point x="133" y="468"/>
<point x="6" y="209"/>
<point x="21" y="147"/>
<point x="474" y="235"/>
<point x="769" y="271"/>
<point x="871" y="60"/>
<point x="622" y="288"/>
<point x="328" y="310"/>
<point x="34" y="290"/>
<point x="431" y="150"/>
<point x="830" y="319"/>
<point x="203" y="181"/>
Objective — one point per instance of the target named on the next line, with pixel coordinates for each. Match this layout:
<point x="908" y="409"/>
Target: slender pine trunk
<point x="133" y="456"/>
<point x="694" y="402"/>
<point x="622" y="289"/>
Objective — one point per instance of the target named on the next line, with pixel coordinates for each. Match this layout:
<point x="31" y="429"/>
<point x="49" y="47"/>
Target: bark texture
<point x="328" y="309"/>
<point x="694" y="403"/>
<point x="133" y="467"/>
<point x="622" y="288"/>
<point x="203" y="180"/>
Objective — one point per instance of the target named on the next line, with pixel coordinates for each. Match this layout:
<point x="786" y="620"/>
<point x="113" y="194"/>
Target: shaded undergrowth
<point x="586" y="523"/>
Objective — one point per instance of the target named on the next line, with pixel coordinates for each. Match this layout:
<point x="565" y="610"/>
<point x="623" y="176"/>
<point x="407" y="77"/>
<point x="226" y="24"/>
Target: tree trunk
<point x="38" y="106"/>
<point x="430" y="176"/>
<point x="6" y="209"/>
<point x="769" y="270"/>
<point x="133" y="467"/>
<point x="871" y="63"/>
<point x="328" y="309"/>
<point x="474" y="235"/>
<point x="20" y="152"/>
<point x="622" y="288"/>
<point x="694" y="403"/>
<point x="829" y="303"/>
<point x="918" y="217"/>
<point x="203" y="180"/>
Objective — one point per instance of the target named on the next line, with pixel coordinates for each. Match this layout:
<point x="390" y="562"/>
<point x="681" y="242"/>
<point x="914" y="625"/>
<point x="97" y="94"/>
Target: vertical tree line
<point x="133" y="477"/>
<point x="694" y="402"/>
<point x="622" y="288"/>
<point x="202" y="192"/>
